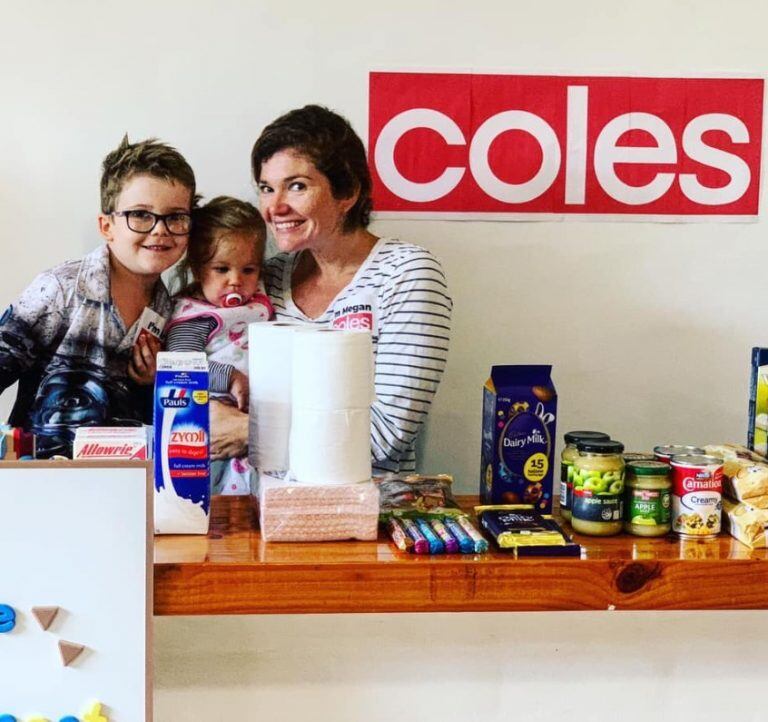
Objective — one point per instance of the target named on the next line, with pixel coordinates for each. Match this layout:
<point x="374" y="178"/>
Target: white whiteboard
<point x="76" y="535"/>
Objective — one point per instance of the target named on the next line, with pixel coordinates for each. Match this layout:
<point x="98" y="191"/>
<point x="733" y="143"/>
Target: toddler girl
<point x="212" y="313"/>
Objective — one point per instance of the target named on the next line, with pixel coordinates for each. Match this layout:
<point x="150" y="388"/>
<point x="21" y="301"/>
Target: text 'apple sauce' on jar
<point x="598" y="488"/>
<point x="566" y="465"/>
<point x="648" y="500"/>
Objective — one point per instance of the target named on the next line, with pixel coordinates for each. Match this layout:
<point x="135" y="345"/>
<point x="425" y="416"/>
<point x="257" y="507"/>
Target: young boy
<point x="71" y="339"/>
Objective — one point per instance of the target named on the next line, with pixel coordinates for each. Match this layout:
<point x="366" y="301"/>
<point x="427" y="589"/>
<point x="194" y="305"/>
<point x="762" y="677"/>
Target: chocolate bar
<point x="521" y="529"/>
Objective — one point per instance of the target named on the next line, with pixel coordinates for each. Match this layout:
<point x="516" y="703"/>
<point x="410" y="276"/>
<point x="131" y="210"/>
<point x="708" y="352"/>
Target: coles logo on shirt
<point x="356" y="313"/>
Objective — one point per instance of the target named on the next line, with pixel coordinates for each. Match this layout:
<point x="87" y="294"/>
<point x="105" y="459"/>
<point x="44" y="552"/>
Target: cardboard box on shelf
<point x="111" y="442"/>
<point x="518" y="441"/>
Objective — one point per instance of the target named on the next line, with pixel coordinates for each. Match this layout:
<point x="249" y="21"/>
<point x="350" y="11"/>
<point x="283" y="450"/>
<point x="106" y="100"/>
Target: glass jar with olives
<point x="598" y="488"/>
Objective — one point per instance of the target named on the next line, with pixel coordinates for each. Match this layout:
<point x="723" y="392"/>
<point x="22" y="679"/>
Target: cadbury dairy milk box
<point x="182" y="452"/>
<point x="518" y="442"/>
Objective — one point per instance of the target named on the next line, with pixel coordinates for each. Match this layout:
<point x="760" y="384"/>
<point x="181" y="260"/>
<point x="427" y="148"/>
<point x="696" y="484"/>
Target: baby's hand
<point x="238" y="387"/>
<point x="143" y="363"/>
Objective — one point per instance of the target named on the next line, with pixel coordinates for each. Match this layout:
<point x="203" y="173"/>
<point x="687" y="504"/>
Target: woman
<point x="315" y="195"/>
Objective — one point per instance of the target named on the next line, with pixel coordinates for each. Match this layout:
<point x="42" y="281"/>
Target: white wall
<point x="523" y="667"/>
<point x="648" y="325"/>
<point x="656" y="350"/>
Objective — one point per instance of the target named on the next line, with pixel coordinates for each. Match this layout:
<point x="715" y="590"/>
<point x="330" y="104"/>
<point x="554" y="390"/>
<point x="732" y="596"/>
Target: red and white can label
<point x="697" y="498"/>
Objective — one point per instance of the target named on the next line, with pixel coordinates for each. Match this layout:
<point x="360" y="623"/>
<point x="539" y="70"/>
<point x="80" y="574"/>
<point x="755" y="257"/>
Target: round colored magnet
<point x="7" y="618"/>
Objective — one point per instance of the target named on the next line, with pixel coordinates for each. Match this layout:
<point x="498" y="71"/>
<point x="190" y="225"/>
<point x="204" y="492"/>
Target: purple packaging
<point x="517" y="447"/>
<point x="182" y="451"/>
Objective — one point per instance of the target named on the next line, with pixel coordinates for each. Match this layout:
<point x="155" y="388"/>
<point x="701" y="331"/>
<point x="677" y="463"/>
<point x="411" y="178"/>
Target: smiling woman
<point x="315" y="195"/>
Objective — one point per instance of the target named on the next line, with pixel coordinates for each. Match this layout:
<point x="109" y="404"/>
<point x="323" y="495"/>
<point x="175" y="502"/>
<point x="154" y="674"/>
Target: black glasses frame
<point x="158" y="217"/>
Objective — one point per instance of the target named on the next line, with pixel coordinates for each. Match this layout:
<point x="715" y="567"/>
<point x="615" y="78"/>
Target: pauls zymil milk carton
<point x="518" y="442"/>
<point x="182" y="450"/>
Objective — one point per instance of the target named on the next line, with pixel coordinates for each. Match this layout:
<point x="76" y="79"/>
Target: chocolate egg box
<point x="518" y="437"/>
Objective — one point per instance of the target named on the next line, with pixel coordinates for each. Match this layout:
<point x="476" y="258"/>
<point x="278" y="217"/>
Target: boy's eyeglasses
<point x="140" y="221"/>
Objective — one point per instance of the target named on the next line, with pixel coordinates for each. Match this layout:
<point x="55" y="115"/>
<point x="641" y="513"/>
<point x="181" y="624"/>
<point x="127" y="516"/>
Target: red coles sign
<point x="483" y="145"/>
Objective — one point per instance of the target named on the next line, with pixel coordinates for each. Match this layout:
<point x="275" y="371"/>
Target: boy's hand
<point x="238" y="387"/>
<point x="143" y="363"/>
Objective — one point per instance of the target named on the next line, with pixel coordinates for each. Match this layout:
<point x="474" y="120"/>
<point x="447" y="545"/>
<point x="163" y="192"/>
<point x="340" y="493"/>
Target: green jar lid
<point x="638" y="456"/>
<point x="649" y="468"/>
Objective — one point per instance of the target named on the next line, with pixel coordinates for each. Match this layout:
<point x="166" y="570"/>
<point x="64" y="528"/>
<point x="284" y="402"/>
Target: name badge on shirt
<point x="357" y="313"/>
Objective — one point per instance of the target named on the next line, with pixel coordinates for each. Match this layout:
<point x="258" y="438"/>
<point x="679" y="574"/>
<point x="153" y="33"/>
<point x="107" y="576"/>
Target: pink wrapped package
<point x="291" y="512"/>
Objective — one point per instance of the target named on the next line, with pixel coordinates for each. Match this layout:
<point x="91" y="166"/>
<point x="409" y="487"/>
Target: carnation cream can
<point x="697" y="495"/>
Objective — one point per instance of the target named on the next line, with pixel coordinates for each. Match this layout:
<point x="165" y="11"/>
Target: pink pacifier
<point x="233" y="299"/>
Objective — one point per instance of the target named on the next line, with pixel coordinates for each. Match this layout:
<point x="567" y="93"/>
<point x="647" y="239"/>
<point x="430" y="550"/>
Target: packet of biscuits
<point x="745" y="474"/>
<point x="746" y="523"/>
<point x="734" y="451"/>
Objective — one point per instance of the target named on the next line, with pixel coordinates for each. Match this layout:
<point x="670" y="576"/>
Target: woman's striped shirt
<point x="400" y="294"/>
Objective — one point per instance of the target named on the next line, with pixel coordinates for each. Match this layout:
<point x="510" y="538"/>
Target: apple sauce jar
<point x="648" y="501"/>
<point x="566" y="465"/>
<point x="597" y="506"/>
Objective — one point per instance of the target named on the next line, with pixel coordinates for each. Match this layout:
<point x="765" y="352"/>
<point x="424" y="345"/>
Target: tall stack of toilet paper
<point x="311" y="391"/>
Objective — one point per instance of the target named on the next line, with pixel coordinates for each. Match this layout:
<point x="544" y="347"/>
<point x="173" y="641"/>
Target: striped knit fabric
<point x="401" y="293"/>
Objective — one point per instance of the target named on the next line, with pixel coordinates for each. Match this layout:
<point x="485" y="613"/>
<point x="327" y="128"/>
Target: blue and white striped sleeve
<point x="414" y="333"/>
<point x="192" y="335"/>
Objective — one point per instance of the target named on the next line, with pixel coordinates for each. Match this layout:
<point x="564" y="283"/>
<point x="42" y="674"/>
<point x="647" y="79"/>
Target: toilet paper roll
<point x="330" y="447"/>
<point x="333" y="370"/>
<point x="270" y="354"/>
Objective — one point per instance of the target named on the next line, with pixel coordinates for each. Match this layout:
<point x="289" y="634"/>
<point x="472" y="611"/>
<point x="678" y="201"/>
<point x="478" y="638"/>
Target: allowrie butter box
<point x="518" y="442"/>
<point x="127" y="443"/>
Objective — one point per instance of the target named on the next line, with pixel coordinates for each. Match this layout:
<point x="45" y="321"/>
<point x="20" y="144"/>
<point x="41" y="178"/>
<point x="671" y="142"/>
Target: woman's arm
<point x="229" y="431"/>
<point x="414" y="333"/>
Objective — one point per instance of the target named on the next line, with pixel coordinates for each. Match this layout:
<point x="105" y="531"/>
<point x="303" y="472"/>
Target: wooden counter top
<point x="232" y="571"/>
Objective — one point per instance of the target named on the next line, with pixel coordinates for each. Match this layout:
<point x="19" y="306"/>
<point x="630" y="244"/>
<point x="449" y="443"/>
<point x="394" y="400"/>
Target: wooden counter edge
<point x="551" y="585"/>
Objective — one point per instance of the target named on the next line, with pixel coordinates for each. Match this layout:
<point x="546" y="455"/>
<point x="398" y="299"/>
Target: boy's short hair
<point x="147" y="157"/>
<point x="330" y="142"/>
<point x="222" y="213"/>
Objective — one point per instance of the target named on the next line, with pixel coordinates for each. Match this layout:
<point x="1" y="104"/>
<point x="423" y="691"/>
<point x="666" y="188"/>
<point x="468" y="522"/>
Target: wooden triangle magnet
<point x="69" y="651"/>
<point x="45" y="615"/>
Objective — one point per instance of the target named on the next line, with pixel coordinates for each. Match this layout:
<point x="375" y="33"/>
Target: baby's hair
<point x="222" y="213"/>
<point x="147" y="157"/>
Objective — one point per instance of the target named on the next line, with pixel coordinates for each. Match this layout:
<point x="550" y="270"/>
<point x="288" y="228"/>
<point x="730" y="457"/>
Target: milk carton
<point x="182" y="455"/>
<point x="518" y="442"/>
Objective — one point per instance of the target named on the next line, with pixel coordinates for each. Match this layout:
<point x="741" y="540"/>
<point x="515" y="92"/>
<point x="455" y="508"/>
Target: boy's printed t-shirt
<point x="399" y="293"/>
<point x="65" y="343"/>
